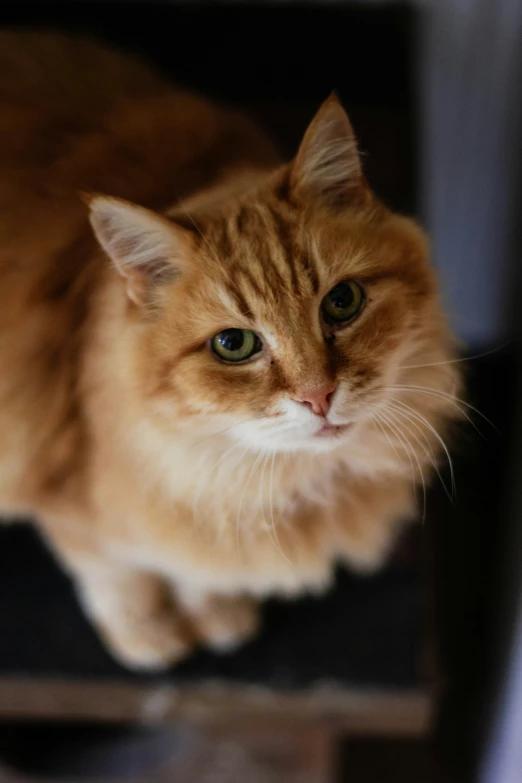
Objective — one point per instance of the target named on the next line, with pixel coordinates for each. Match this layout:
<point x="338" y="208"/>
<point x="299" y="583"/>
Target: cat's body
<point x="173" y="486"/>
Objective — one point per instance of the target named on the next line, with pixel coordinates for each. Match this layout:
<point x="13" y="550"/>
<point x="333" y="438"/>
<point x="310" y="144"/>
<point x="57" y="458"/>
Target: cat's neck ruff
<point x="216" y="470"/>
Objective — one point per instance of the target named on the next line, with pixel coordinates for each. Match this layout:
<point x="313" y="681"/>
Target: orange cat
<point x="237" y="385"/>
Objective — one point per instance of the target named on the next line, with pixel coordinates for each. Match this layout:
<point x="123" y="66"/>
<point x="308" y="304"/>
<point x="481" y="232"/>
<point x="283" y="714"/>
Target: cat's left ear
<point x="146" y="248"/>
<point x="327" y="166"/>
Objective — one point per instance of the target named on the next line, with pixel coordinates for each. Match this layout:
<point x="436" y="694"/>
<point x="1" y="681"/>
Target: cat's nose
<point x="318" y="400"/>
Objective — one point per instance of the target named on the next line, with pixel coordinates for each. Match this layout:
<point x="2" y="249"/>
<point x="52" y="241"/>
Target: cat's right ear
<point x="145" y="248"/>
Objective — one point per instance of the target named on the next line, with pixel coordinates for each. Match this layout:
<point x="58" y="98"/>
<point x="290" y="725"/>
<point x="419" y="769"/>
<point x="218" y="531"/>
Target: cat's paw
<point x="222" y="623"/>
<point x="156" y="642"/>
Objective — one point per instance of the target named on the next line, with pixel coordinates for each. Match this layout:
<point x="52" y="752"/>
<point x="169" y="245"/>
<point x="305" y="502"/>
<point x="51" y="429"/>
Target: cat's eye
<point x="235" y="345"/>
<point x="342" y="303"/>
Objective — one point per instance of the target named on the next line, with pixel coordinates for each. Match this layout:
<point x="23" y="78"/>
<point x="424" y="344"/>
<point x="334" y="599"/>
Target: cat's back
<point x="76" y="114"/>
<point x="67" y="73"/>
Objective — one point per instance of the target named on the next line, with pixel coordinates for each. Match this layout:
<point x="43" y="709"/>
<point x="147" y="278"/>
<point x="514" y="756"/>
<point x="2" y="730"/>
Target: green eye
<point x="342" y="303"/>
<point x="235" y="345"/>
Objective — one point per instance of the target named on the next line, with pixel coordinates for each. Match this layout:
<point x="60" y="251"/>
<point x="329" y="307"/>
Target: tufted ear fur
<point x="327" y="165"/>
<point x="145" y="247"/>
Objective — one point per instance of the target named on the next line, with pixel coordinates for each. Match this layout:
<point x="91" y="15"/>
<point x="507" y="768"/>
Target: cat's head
<point x="282" y="312"/>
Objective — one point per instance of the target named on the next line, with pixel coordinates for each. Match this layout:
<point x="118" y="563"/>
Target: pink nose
<point x="318" y="400"/>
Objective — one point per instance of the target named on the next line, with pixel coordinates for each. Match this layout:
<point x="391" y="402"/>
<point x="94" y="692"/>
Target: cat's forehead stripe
<point x="296" y="259"/>
<point x="263" y="244"/>
<point x="248" y="277"/>
<point x="287" y="246"/>
<point x="239" y="298"/>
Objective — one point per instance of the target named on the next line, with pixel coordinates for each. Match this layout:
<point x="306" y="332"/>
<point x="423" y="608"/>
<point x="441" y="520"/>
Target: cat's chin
<point x="327" y="438"/>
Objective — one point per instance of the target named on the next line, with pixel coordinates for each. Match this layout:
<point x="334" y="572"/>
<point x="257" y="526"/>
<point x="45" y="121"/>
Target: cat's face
<point x="281" y="317"/>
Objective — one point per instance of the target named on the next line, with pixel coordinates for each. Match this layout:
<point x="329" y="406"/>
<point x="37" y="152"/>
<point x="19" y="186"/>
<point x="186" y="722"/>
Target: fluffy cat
<point x="220" y="393"/>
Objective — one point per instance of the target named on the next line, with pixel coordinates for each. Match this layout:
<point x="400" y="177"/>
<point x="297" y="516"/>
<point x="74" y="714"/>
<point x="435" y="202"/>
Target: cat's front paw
<point x="223" y="623"/>
<point x="154" y="643"/>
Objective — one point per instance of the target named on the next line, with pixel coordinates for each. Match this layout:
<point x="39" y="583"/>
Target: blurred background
<point x="414" y="674"/>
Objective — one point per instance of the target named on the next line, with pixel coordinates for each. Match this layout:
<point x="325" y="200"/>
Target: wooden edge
<point x="303" y="754"/>
<point x="364" y="711"/>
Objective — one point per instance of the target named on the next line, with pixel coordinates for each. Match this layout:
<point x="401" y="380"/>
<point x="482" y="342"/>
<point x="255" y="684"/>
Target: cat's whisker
<point x="455" y="361"/>
<point x="451" y="399"/>
<point x="271" y="527"/>
<point x="405" y="445"/>
<point x="432" y="429"/>
<point x="262" y="493"/>
<point x="205" y="477"/>
<point x="272" y="520"/>
<point x="426" y="446"/>
<point x="401" y="414"/>
<point x="410" y="451"/>
<point x="240" y="507"/>
<point x="375" y="417"/>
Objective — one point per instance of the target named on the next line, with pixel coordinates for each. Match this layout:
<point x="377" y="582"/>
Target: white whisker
<point x="272" y="520"/>
<point x="205" y="477"/>
<point x="456" y="361"/>
<point x="409" y="450"/>
<point x="240" y="507"/>
<point x="430" y="455"/>
<point x="375" y="417"/>
<point x="450" y="398"/>
<point x="432" y="429"/>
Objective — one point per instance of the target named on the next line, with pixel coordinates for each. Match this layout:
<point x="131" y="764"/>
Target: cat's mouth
<point x="331" y="430"/>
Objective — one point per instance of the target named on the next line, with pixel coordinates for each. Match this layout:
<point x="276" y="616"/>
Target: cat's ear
<point x="327" y="165"/>
<point x="145" y="247"/>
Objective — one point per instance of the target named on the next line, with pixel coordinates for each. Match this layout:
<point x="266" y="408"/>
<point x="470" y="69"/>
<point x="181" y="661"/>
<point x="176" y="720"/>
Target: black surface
<point x="366" y="631"/>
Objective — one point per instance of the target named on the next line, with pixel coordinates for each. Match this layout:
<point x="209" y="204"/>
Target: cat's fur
<point x="176" y="489"/>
